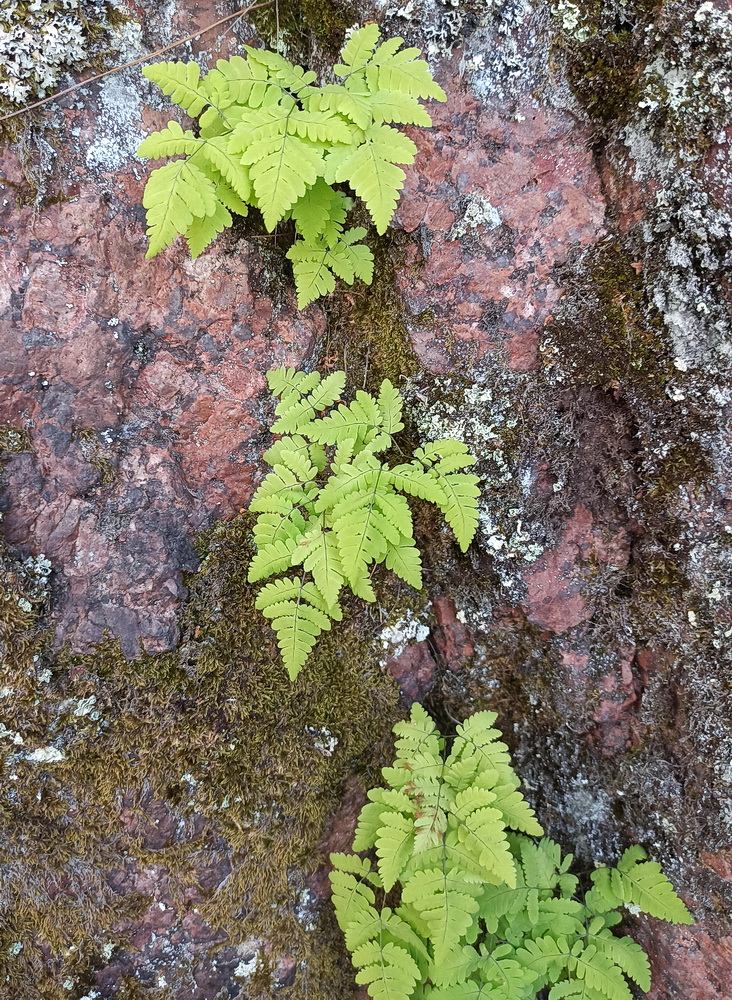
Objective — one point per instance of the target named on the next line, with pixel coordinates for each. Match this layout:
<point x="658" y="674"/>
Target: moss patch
<point x="14" y="440"/>
<point x="603" y="49"/>
<point x="205" y="764"/>
<point x="367" y="335"/>
<point x="295" y="21"/>
<point x="616" y="337"/>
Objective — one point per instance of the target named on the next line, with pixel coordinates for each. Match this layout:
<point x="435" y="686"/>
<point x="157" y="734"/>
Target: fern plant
<point x="461" y="901"/>
<point x="269" y="138"/>
<point x="331" y="508"/>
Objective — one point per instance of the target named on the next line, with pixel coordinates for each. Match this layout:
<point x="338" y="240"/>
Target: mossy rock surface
<point x="197" y="781"/>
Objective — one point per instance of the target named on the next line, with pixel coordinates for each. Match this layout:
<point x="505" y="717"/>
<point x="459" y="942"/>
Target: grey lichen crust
<point x="40" y="40"/>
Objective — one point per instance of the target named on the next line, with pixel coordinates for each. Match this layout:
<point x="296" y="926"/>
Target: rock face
<point x="559" y="279"/>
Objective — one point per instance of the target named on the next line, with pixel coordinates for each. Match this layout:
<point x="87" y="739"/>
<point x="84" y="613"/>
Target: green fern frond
<point x="417" y="734"/>
<point x="598" y="972"/>
<point x="175" y="195"/>
<point x="281" y="165"/>
<point x="406" y="562"/>
<point x="271" y="527"/>
<point x="371" y="170"/>
<point x="181" y="83"/>
<point x="389" y="970"/>
<point x="204" y="230"/>
<point x="390" y="408"/>
<point x="319" y="555"/>
<point x="352" y="897"/>
<point x="340" y="525"/>
<point x="477" y="737"/>
<point x="349" y="422"/>
<point x="169" y="141"/>
<point x="353" y="478"/>
<point x="279" y="493"/>
<point x="517" y="813"/>
<point x="249" y="83"/>
<point x="277" y="142"/>
<point x="294" y="78"/>
<point x="336" y="98"/>
<point x="627" y="954"/>
<point x="358" y="50"/>
<point x="282" y="381"/>
<point x="394" y="843"/>
<point x="387" y="106"/>
<point x="297" y="623"/>
<point x="413" y="480"/>
<point x="644" y="884"/>
<point x="318" y="208"/>
<point x="460" y="509"/>
<point x="275" y="557"/>
<point x="316" y="263"/>
<point x="402" y="71"/>
<point x="225" y="193"/>
<point x="473" y="930"/>
<point x="446" y="902"/>
<point x="216" y="150"/>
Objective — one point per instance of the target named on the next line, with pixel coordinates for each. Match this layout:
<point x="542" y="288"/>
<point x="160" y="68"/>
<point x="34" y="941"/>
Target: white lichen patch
<point x="45" y="755"/>
<point x="41" y="40"/>
<point x="396" y="637"/>
<point x="324" y="741"/>
<point x="572" y="20"/>
<point x="484" y="417"/>
<point x="248" y="966"/>
<point x="117" y="134"/>
<point x="479" y="212"/>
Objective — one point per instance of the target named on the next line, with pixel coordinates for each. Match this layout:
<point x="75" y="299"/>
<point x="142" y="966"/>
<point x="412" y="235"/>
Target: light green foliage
<point x="484" y="911"/>
<point x="331" y="509"/>
<point x="269" y="138"/>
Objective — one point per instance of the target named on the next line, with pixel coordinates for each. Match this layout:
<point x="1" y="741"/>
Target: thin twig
<point x="136" y="62"/>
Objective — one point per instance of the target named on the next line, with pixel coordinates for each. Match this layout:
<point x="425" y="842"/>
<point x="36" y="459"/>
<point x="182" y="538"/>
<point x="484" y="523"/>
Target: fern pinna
<point x="269" y="138"/>
<point x="331" y="508"/>
<point x="463" y="902"/>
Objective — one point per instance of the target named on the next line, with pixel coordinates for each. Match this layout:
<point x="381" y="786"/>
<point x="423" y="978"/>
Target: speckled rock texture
<point x="556" y="291"/>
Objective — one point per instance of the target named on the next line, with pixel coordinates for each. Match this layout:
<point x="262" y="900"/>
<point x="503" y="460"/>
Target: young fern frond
<point x="333" y="508"/>
<point x="483" y="912"/>
<point x="278" y="143"/>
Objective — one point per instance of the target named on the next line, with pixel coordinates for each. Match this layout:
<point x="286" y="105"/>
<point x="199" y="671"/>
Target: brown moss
<point x="367" y="334"/>
<point x="93" y="452"/>
<point x="214" y="739"/>
<point x="14" y="440"/>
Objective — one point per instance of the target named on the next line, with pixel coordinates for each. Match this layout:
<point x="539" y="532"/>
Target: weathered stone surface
<point x="563" y="275"/>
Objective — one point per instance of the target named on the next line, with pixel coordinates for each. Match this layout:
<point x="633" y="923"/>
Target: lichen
<point x="42" y="39"/>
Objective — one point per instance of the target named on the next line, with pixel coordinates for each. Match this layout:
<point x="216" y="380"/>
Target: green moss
<point x="616" y="339"/>
<point x="604" y="68"/>
<point x="367" y="334"/>
<point x="213" y="729"/>
<point x="296" y="21"/>
<point x="686" y="464"/>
